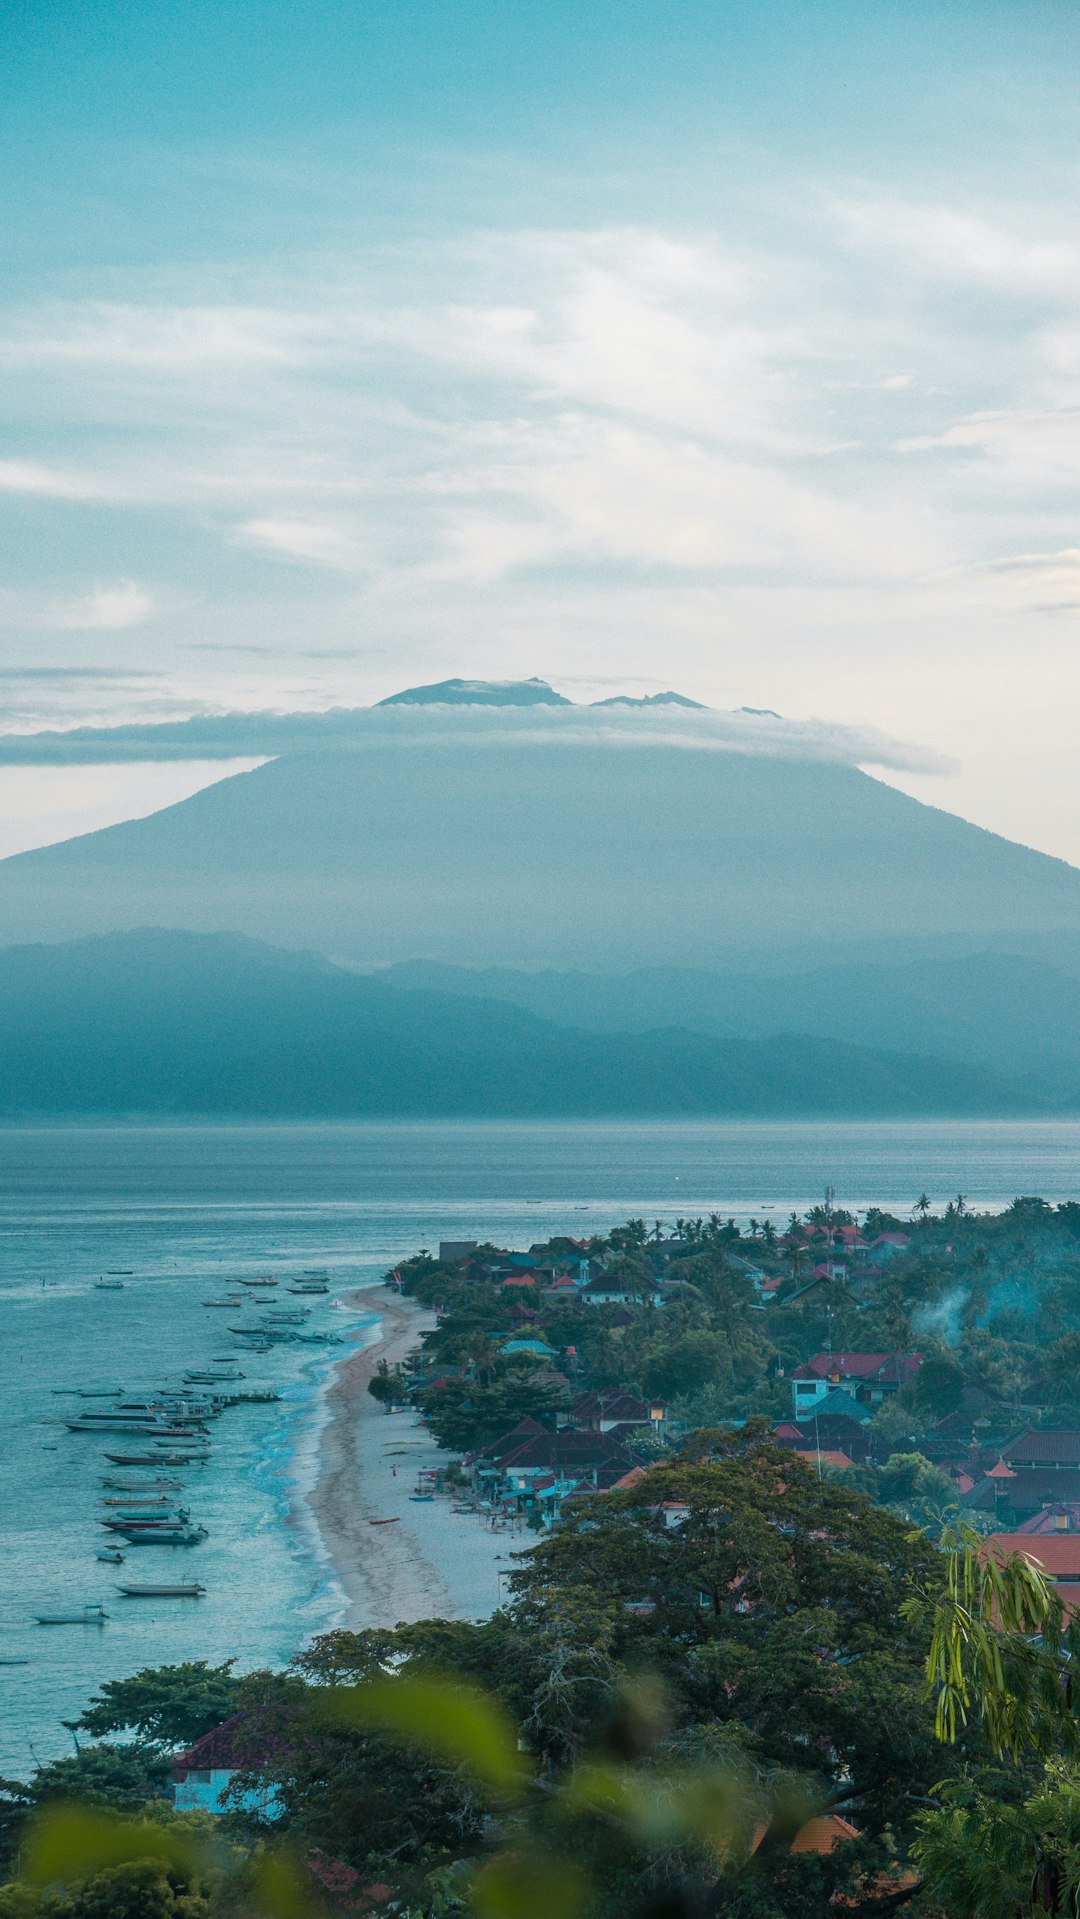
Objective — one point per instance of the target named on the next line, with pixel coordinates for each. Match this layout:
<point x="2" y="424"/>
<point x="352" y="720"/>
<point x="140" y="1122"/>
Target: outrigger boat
<point x="183" y="1589"/>
<point x="265" y="1281"/>
<point x="148" y="1486"/>
<point x="191" y="1455"/>
<point x="85" y="1616"/>
<point x="165" y="1535"/>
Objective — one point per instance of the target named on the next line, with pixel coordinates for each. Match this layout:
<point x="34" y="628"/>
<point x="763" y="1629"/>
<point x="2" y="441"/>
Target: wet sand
<point x="432" y="1562"/>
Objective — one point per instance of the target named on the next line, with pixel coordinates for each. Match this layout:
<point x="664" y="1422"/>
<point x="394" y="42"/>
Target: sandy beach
<point x="432" y="1562"/>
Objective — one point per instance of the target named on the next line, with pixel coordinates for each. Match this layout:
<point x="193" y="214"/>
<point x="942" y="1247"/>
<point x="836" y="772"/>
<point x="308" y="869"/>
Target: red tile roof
<point x="874" y="1368"/>
<point x="1055" y="1554"/>
<point x="1043" y="1449"/>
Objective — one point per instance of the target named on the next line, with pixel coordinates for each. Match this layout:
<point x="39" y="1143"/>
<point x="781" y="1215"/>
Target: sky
<point x="642" y="344"/>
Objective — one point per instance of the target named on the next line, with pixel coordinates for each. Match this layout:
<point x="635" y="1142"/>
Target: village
<point x="612" y="1352"/>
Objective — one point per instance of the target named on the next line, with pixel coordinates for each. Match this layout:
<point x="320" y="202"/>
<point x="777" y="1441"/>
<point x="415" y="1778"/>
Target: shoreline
<point x="431" y="1562"/>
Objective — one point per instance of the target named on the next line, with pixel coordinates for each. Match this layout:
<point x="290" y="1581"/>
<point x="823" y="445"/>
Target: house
<point x="832" y="1432"/>
<point x="453" y="1251"/>
<point x="606" y="1290"/>
<point x="1062" y="1517"/>
<point x="1055" y="1554"/>
<point x="535" y="1348"/>
<point x="888" y="1245"/>
<point x="866" y="1377"/>
<point x="1050" y="1450"/>
<point x="599" y="1412"/>
<point x="202" y="1774"/>
<point x="834" y="1402"/>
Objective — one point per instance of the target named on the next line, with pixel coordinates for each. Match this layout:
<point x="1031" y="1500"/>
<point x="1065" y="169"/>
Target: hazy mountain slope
<point x="1011" y="1013"/>
<point x="541" y="845"/>
<point x="177" y="1023"/>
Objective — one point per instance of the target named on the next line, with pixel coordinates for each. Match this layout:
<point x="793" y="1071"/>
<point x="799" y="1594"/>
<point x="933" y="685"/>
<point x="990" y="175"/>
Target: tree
<point x="168" y="1706"/>
<point x="774" y="1601"/>
<point x="387" y="1386"/>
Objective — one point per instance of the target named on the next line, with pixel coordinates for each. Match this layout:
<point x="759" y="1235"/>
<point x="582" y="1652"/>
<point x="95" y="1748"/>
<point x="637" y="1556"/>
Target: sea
<point x="182" y="1214"/>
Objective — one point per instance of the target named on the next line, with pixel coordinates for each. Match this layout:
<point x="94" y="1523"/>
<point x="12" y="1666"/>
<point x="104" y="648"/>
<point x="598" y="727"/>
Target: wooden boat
<point x="191" y="1455"/>
<point x="108" y="1285"/>
<point x="153" y="1502"/>
<point x="85" y="1616"/>
<point x="183" y="1589"/>
<point x="165" y="1535"/>
<point x="266" y="1281"/>
<point x="13" y="1659"/>
<point x="147" y="1486"/>
<point x="395" y="1521"/>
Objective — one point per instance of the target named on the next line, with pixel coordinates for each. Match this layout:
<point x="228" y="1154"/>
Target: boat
<point x="421" y="1499"/>
<point x="13" y="1659"/>
<point x="147" y="1428"/>
<point x="208" y="1379"/>
<point x="183" y="1589"/>
<point x="108" y="1285"/>
<point x="85" y="1616"/>
<point x="267" y="1281"/>
<point x="111" y="1558"/>
<point x="221" y="1302"/>
<point x="174" y="1457"/>
<point x="170" y="1515"/>
<point x="395" y="1521"/>
<point x="165" y="1535"/>
<point x="151" y="1501"/>
<point x="120" y="1272"/>
<point x="143" y="1485"/>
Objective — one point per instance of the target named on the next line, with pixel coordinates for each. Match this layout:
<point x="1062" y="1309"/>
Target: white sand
<point x="432" y="1563"/>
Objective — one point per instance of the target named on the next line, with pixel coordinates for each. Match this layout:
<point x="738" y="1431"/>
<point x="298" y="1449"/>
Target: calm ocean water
<point x="191" y="1210"/>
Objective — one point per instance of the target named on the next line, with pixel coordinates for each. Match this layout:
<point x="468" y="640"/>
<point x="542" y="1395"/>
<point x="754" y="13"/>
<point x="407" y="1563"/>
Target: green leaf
<point x="455" y="1724"/>
<point x="70" y="1843"/>
<point x="529" y="1886"/>
<point x="279" y="1887"/>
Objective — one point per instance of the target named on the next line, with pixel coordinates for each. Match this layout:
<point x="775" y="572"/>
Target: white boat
<point x="111" y="1558"/>
<point x="84" y="1616"/>
<point x="183" y="1589"/>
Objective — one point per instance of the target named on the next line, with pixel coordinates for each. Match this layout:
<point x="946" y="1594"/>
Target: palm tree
<point x="961" y="1204"/>
<point x="922" y="1206"/>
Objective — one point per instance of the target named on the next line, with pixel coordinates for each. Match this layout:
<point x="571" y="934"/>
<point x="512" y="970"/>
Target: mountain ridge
<point x="167" y="1023"/>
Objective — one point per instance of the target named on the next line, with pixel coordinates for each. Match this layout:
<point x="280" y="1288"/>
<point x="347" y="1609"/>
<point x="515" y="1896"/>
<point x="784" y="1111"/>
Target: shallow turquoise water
<point x="192" y="1209"/>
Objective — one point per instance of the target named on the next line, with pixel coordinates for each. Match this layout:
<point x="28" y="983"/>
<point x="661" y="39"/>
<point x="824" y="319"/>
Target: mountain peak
<point x="479" y="693"/>
<point x="651" y="699"/>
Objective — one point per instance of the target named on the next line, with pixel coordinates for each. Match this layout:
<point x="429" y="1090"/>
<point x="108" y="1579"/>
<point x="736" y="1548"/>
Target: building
<point x="202" y="1774"/>
<point x="868" y="1378"/>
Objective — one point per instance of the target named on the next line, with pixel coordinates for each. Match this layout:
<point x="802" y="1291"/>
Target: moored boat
<point x="165" y="1535"/>
<point x="83" y="1616"/>
<point x="181" y="1589"/>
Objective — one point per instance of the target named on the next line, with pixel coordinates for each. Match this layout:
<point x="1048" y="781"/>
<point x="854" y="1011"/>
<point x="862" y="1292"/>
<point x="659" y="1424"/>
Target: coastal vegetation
<point x="735" y="1668"/>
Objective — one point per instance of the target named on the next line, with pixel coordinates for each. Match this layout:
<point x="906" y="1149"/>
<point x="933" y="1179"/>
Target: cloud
<point x="1037" y="582"/>
<point x="174" y="338"/>
<point x="27" y="476"/>
<point x="78" y="674"/>
<point x="1028" y="442"/>
<point x="952" y="243"/>
<point x="421" y="728"/>
<point x="313" y="542"/>
<point x="105" y="609"/>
